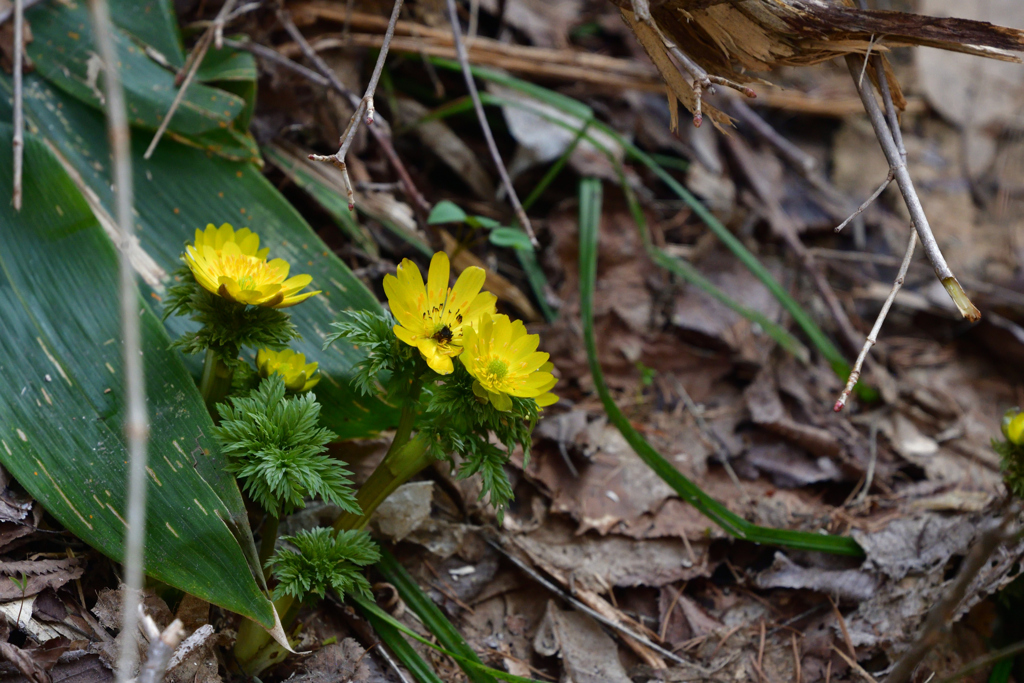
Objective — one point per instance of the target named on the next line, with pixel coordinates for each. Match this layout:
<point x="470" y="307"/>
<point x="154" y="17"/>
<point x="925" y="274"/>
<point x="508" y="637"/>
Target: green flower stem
<point x="398" y="467"/>
<point x="255" y="650"/>
<point x="216" y="381"/>
<point x="267" y="542"/>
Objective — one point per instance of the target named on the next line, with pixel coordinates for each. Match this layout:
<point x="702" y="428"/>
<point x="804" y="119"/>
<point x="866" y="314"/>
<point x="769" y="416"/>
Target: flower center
<point x="497" y="368"/>
<point x="249" y="271"/>
<point x="443" y="335"/>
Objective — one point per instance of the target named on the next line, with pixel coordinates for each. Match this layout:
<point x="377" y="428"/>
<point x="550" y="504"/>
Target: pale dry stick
<point x="867" y="202"/>
<point x="890" y="108"/>
<point x="935" y="623"/>
<point x="272" y="55"/>
<point x="161" y="649"/>
<point x="854" y="665"/>
<point x="9" y="12"/>
<point x="872" y="462"/>
<point x="702" y="80"/>
<point x="899" y="168"/>
<point x="877" y="327"/>
<point x="195" y="60"/>
<point x="136" y="424"/>
<point x="18" y="142"/>
<point x="594" y="614"/>
<point x="467" y="74"/>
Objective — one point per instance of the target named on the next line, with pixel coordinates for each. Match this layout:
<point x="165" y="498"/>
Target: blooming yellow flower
<point x="505" y="362"/>
<point x="434" y="317"/>
<point x="548" y="399"/>
<point x="298" y="375"/>
<point x="231" y="265"/>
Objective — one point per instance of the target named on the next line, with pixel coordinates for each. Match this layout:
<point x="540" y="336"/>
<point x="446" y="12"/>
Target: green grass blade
<point x="367" y="606"/>
<point x="733" y="524"/>
<point x="401" y="649"/>
<point x="429" y="613"/>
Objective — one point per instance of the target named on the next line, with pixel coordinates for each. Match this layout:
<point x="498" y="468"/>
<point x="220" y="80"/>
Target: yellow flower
<point x="1013" y="426"/>
<point x="231" y="265"/>
<point x="433" y="318"/>
<point x="505" y="362"/>
<point x="298" y="375"/>
<point x="547" y="399"/>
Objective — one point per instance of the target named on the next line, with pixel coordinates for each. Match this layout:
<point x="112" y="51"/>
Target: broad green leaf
<point x="153" y="23"/>
<point x="63" y="53"/>
<point x="446" y="212"/>
<point x="62" y="408"/>
<point x="181" y="189"/>
<point x="226" y="64"/>
<point x="482" y="222"/>
<point x="511" y="237"/>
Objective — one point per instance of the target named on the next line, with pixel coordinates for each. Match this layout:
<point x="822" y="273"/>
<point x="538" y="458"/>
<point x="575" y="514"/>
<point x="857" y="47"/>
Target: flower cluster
<point x="445" y="322"/>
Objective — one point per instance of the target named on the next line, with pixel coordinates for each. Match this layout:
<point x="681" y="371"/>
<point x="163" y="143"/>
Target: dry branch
<point x="506" y="181"/>
<point x="136" y="425"/>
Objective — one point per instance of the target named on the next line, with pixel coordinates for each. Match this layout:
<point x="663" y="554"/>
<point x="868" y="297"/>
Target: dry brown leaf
<point x="588" y="653"/>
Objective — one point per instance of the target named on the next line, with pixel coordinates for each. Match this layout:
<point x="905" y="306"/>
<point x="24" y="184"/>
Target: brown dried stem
<point x="898" y="165"/>
<point x="214" y="32"/>
<point x="377" y="126"/>
<point x="943" y="610"/>
<point x="702" y="80"/>
<point x="18" y="141"/>
<point x="506" y="181"/>
<point x="873" y="336"/>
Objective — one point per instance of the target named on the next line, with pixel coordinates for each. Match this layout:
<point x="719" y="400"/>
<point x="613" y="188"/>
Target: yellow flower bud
<point x="298" y="375"/>
<point x="1013" y="426"/>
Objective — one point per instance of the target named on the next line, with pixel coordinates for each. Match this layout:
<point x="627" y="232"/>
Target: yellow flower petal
<point x="437" y="281"/>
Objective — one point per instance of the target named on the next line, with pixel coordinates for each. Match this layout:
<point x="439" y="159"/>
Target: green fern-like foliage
<point x="323" y="560"/>
<point x="1011" y="457"/>
<point x="225" y="326"/>
<point x="389" y="364"/>
<point x="462" y="423"/>
<point x="273" y="445"/>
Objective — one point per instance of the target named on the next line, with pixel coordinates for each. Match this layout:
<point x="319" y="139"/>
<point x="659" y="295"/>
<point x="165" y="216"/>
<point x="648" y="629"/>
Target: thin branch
<point x="376" y="125"/>
<point x="18" y="143"/>
<point x="867" y="202"/>
<point x="272" y="55"/>
<point x="873" y="336"/>
<point x="136" y="424"/>
<point x="193" y="63"/>
<point x="898" y="165"/>
<point x="796" y="156"/>
<point x="890" y="108"/>
<point x="467" y="74"/>
<point x="702" y="80"/>
<point x="594" y="614"/>
<point x="943" y="610"/>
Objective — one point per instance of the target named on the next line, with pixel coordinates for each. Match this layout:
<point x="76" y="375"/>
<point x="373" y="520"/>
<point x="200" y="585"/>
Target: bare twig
<point x="873" y="336"/>
<point x="796" y="156"/>
<point x="890" y="108"/>
<point x="9" y="12"/>
<point x="887" y="139"/>
<point x="376" y="125"/>
<point x="161" y="648"/>
<point x="18" y="142"/>
<point x="506" y="181"/>
<point x="702" y="80"/>
<point x="940" y="614"/>
<point x="854" y="665"/>
<point x="867" y="202"/>
<point x="136" y="424"/>
<point x="215" y="31"/>
<point x="272" y="55"/>
<point x="720" y="449"/>
<point x="588" y="610"/>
